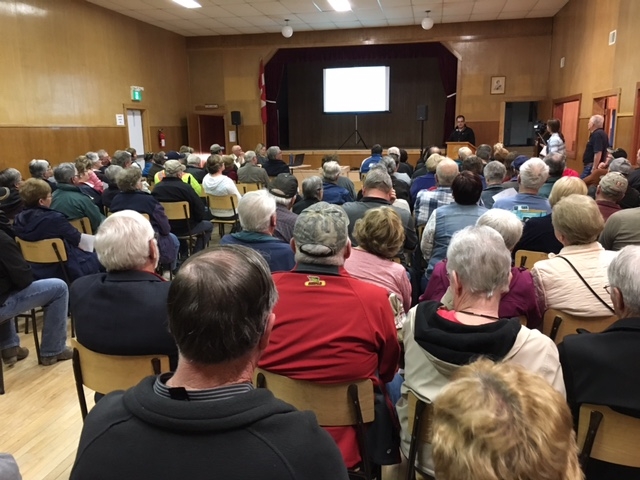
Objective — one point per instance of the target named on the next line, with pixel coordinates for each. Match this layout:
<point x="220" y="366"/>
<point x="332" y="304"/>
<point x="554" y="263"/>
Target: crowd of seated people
<point x="337" y="269"/>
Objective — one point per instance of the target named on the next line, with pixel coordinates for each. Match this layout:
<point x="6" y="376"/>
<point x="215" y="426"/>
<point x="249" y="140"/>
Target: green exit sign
<point x="136" y="94"/>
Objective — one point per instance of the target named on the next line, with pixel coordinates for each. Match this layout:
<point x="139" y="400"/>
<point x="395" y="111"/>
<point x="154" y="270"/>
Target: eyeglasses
<point x="607" y="288"/>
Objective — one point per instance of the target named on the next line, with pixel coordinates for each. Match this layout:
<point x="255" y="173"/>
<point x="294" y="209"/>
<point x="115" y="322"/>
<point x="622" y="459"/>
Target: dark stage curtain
<point x="275" y="70"/>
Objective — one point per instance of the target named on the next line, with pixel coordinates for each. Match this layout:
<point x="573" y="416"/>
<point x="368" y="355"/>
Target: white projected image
<point x="356" y="89"/>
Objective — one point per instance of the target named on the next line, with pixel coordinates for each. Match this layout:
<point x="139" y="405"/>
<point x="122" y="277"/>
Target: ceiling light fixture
<point x="287" y="31"/>
<point x="188" y="3"/>
<point x="427" y="22"/>
<point x="340" y="5"/>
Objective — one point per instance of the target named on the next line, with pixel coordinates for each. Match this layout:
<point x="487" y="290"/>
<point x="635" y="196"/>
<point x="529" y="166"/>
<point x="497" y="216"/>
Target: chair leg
<point x="35" y="336"/>
<point x="77" y="374"/>
<point x="1" y="380"/>
<point x="73" y="326"/>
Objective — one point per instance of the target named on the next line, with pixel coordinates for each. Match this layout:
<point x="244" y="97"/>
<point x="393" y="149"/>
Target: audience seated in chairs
<point x="19" y="292"/>
<point x="284" y="190"/>
<point x="601" y="368"/>
<point x="257" y="213"/>
<point x="380" y="237"/>
<point x="344" y="332"/>
<point x="172" y="189"/>
<point x="342" y="181"/>
<point x="275" y="165"/>
<point x="250" y="172"/>
<point x="69" y="198"/>
<point x="42" y="169"/>
<point x="194" y="168"/>
<point x="111" y="173"/>
<point x="107" y="307"/>
<point x="537" y="234"/>
<point x="438" y="341"/>
<point x="520" y="300"/>
<point x="332" y="192"/>
<point x="311" y="193"/>
<point x="38" y="222"/>
<point x="207" y="417"/>
<point x="131" y="197"/>
<point x="10" y="202"/>
<point x="230" y="168"/>
<point x="533" y="174"/>
<point x="184" y="176"/>
<point x="574" y="280"/>
<point x="500" y="421"/>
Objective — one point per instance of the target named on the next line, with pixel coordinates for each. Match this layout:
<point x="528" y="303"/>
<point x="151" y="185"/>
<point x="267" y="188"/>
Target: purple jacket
<point x="519" y="300"/>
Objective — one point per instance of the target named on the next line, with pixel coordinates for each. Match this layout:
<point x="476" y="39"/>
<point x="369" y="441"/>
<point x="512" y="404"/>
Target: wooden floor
<point x="40" y="419"/>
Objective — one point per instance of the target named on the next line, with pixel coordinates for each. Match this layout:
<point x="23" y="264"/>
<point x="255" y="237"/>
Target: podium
<point x="453" y="147"/>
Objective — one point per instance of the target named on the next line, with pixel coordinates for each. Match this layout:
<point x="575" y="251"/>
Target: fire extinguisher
<point x="162" y="139"/>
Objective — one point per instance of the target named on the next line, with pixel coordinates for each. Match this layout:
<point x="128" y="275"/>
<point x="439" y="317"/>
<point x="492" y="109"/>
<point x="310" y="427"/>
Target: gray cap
<point x="215" y="148"/>
<point x="621" y="165"/>
<point x="321" y="230"/>
<point x="171" y="167"/>
<point x="613" y="184"/>
<point x="284" y="185"/>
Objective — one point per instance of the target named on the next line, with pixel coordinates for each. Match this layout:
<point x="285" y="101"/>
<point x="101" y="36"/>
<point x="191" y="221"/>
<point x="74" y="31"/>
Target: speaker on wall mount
<point x="236" y="118"/>
<point x="422" y="112"/>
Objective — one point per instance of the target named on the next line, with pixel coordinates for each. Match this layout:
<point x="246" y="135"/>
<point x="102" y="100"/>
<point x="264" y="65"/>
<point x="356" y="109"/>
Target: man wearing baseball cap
<point x="329" y="326"/>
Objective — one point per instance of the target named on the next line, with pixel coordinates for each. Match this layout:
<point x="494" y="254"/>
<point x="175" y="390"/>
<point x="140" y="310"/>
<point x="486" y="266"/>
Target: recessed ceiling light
<point x="340" y="5"/>
<point x="188" y="3"/>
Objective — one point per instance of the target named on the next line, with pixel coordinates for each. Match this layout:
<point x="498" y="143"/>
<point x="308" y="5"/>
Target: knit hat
<point x="613" y="184"/>
<point x="321" y="230"/>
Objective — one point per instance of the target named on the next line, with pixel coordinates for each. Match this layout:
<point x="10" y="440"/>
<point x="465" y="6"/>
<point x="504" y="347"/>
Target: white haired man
<point x="533" y="173"/>
<point x="596" y="150"/>
<point x="39" y="168"/>
<point x="332" y="192"/>
<point x="275" y="165"/>
<point x="207" y="419"/>
<point x="257" y="213"/>
<point x="350" y="337"/>
<point x="494" y="173"/>
<point x="598" y="366"/>
<point x="251" y="172"/>
<point x="194" y="168"/>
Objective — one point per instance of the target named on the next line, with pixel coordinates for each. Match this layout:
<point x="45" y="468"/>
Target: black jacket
<point x="140" y="435"/>
<point x="602" y="369"/>
<point x="275" y="167"/>
<point x="15" y="273"/>
<point x="172" y="189"/>
<point x="108" y="320"/>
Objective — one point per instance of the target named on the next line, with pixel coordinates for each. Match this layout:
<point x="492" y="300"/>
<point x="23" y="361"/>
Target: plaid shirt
<point x="428" y="200"/>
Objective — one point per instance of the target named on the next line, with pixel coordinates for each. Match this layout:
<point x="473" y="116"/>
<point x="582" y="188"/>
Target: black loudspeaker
<point x="423" y="112"/>
<point x="236" y="118"/>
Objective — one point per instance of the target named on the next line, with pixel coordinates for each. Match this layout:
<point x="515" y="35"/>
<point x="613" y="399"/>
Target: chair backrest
<point x="247" y="187"/>
<point x="330" y="402"/>
<point x="222" y="202"/>
<point x="557" y="324"/>
<point x="609" y="436"/>
<point x="420" y="416"/>
<point x="357" y="185"/>
<point x="83" y="225"/>
<point x="527" y="258"/>
<point x="51" y="250"/>
<point x="177" y="210"/>
<point x="107" y="373"/>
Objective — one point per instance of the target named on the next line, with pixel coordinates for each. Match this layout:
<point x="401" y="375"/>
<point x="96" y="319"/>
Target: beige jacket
<point x="425" y="375"/>
<point x="559" y="287"/>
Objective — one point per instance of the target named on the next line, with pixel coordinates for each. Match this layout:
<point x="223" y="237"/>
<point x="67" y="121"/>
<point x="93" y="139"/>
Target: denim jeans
<point x="176" y="244"/>
<point x="53" y="295"/>
<point x="587" y="170"/>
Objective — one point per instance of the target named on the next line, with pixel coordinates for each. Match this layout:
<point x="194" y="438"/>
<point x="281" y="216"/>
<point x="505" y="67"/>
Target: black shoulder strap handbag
<point x="587" y="285"/>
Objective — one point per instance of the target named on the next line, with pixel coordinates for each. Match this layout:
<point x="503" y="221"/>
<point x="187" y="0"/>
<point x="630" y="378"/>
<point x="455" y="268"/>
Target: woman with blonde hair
<point x="538" y="233"/>
<point x="380" y="236"/>
<point x="498" y="421"/>
<point x="574" y="281"/>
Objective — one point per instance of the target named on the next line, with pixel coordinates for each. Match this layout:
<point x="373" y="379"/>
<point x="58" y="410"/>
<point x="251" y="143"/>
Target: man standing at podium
<point x="462" y="133"/>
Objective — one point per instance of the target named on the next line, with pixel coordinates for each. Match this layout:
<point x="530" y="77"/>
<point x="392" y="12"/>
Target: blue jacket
<point x="450" y="219"/>
<point x="333" y="193"/>
<point x="422" y="183"/>
<point x="277" y="253"/>
<point x="41" y="223"/>
<point x="367" y="162"/>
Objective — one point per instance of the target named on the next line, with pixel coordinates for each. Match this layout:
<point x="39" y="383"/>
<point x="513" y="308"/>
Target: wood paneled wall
<point x="412" y="82"/>
<point x="69" y="68"/>
<point x="224" y="70"/>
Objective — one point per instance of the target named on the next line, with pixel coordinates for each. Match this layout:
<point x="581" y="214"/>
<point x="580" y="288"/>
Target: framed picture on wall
<point x="497" y="85"/>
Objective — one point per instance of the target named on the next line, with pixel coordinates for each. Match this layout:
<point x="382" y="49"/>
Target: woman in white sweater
<point x="217" y="184"/>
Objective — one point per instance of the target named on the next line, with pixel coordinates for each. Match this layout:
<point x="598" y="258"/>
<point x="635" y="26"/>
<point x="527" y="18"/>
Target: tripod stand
<point x="359" y="138"/>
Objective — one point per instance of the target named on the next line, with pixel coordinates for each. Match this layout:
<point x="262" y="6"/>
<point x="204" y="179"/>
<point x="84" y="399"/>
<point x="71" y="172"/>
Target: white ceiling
<point x="237" y="17"/>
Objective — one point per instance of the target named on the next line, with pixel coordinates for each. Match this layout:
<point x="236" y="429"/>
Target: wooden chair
<point x="608" y="436"/>
<point x="47" y="251"/>
<point x="357" y="185"/>
<point x="341" y="404"/>
<point x="180" y="211"/>
<point x="247" y="187"/>
<point x="107" y="373"/>
<point x="420" y="425"/>
<point x="223" y="202"/>
<point x="557" y="324"/>
<point x="527" y="258"/>
<point x="109" y="213"/>
<point x="83" y="225"/>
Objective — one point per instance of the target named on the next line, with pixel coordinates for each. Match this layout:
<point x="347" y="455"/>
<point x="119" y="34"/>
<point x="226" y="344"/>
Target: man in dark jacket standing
<point x="206" y="420"/>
